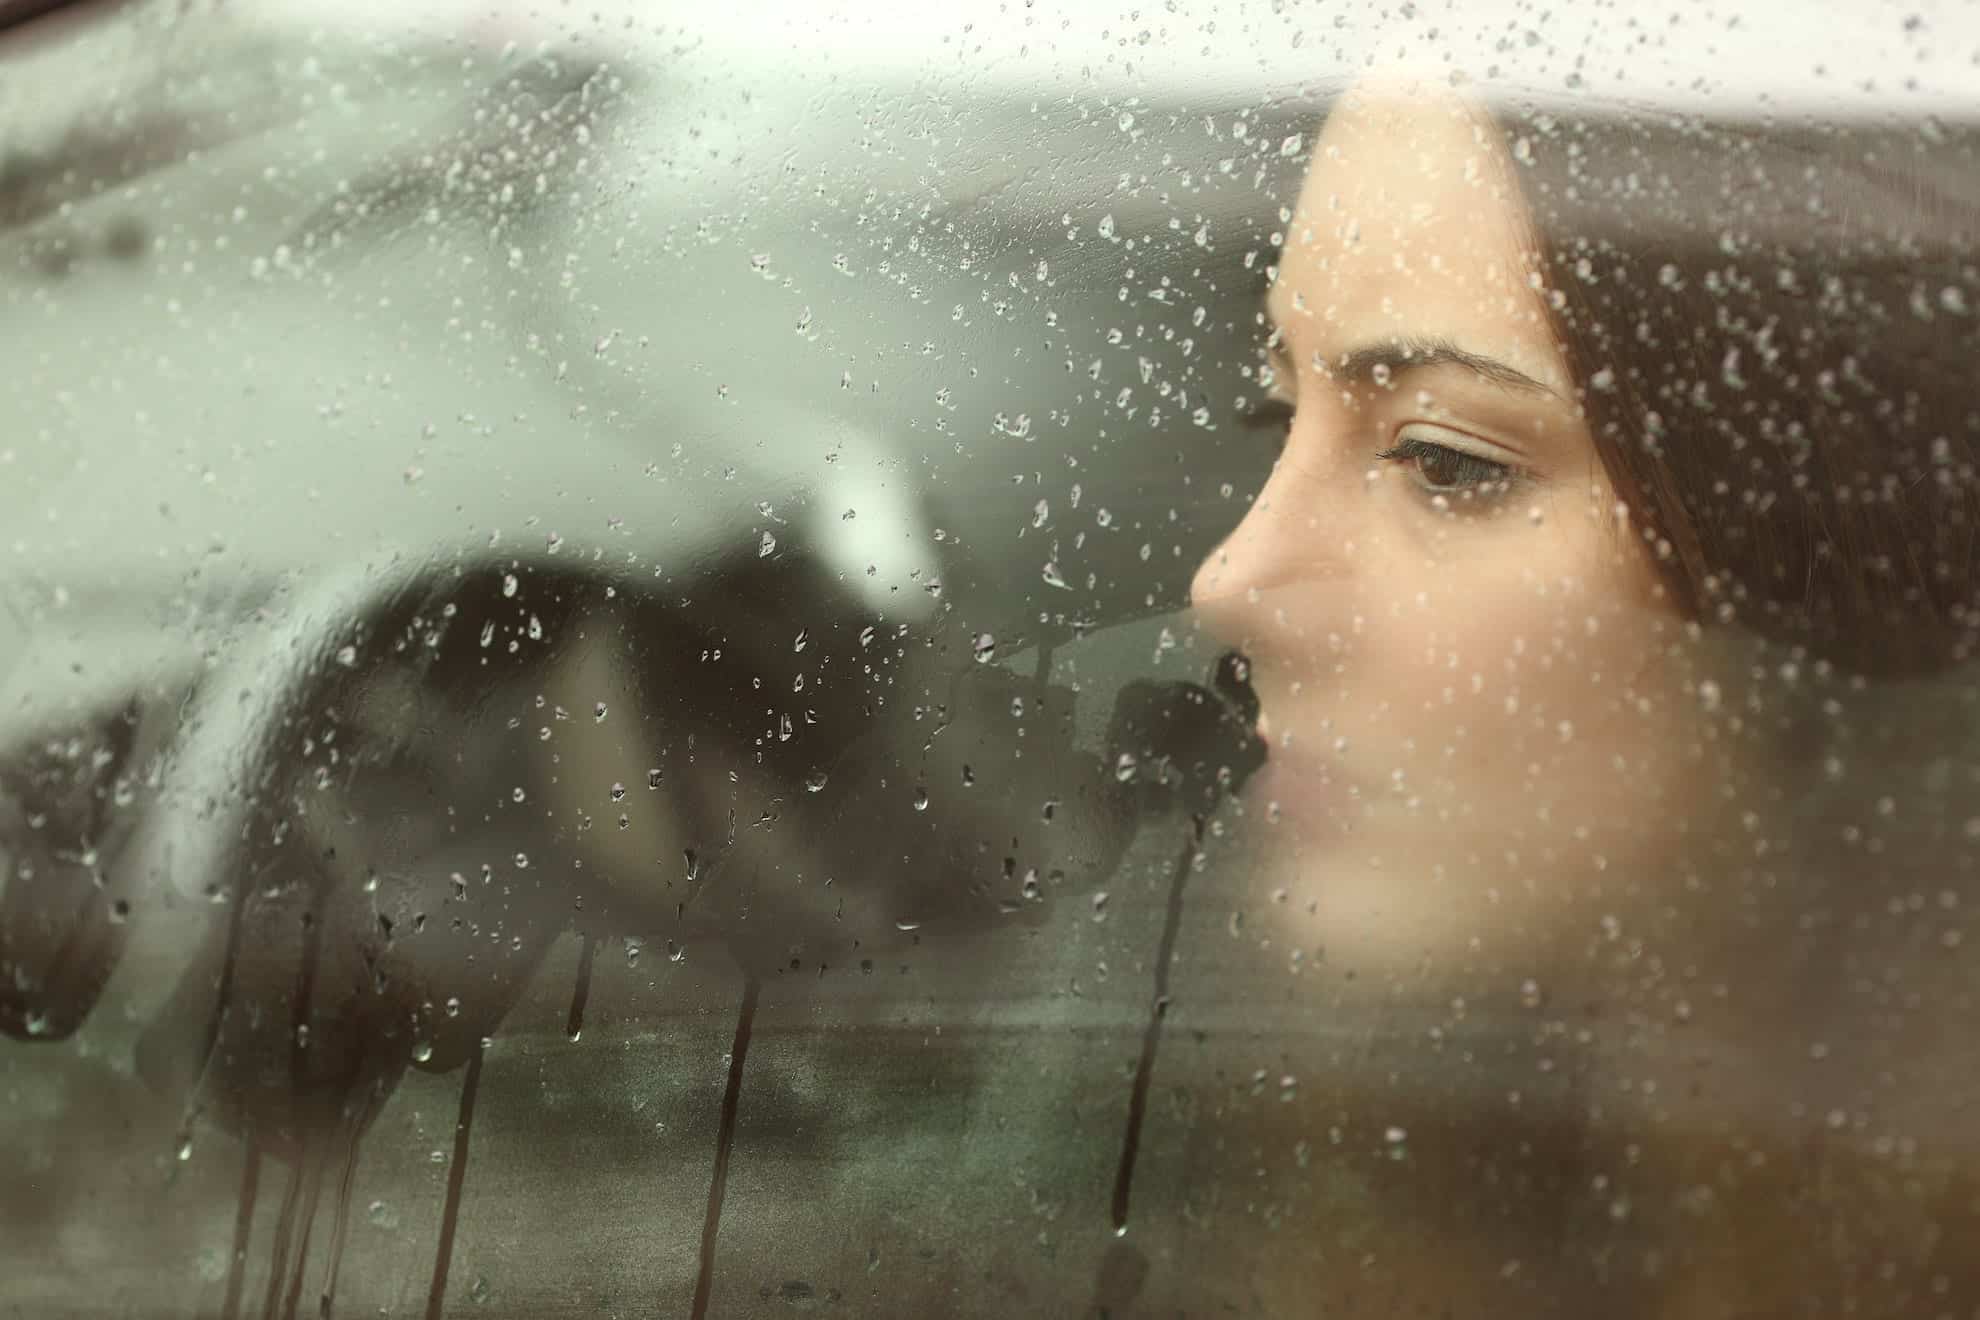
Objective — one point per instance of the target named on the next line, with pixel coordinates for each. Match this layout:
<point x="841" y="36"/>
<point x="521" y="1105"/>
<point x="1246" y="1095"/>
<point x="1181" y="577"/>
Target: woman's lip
<point x="1295" y="768"/>
<point x="1293" y="793"/>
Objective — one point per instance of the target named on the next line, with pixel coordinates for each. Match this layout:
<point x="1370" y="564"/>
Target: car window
<point x="1206" y="659"/>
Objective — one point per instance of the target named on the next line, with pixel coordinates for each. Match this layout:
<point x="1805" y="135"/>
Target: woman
<point x="1620" y="457"/>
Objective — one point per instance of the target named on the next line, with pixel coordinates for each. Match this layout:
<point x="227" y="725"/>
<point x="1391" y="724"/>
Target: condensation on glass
<point x="1239" y="659"/>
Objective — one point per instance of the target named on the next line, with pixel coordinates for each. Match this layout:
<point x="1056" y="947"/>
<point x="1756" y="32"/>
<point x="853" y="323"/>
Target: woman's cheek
<point x="1486" y="687"/>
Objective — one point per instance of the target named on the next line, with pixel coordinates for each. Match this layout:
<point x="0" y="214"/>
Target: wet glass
<point x="1210" y="659"/>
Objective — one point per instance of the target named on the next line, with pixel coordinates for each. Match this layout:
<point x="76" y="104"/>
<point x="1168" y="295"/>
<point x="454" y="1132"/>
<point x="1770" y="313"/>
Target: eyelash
<point x="1476" y="477"/>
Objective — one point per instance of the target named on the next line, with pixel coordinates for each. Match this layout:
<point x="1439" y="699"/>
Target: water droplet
<point x="423" y="1051"/>
<point x="653" y="778"/>
<point x="1053" y="578"/>
<point x="1107" y="225"/>
<point x="984" y="648"/>
<point x="766" y="547"/>
<point x="803" y="637"/>
<point x="598" y="713"/>
<point x="920" y="798"/>
<point x="522" y="861"/>
<point x="1100" y="906"/>
<point x="618" y="792"/>
<point x="1125" y="766"/>
<point x="453" y="1006"/>
<point x="968" y="777"/>
<point x="347" y="656"/>
<point x="815" y="782"/>
<point x="508" y="584"/>
<point x="1126" y="121"/>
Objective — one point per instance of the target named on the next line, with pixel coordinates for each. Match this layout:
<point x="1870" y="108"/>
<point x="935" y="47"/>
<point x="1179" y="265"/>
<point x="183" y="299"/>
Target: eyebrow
<point x="1420" y="353"/>
<point x="1417" y="354"/>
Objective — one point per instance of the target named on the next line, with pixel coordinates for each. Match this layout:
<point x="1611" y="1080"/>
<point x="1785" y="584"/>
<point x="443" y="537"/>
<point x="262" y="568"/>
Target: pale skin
<point x="1462" y="648"/>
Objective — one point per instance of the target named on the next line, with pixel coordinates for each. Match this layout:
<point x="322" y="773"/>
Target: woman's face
<point x="1454" y="633"/>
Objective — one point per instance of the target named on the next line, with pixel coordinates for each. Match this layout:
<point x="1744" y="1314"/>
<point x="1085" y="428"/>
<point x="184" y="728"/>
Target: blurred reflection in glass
<point x="1608" y="604"/>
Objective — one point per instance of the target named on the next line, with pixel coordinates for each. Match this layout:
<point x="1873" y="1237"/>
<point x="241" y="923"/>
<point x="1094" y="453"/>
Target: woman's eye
<point x="1441" y="470"/>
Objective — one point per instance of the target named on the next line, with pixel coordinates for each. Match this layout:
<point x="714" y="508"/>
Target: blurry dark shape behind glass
<point x="14" y="13"/>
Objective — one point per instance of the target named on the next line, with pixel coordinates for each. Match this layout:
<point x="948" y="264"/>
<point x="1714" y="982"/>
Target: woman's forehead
<point x="1410" y="223"/>
<point x="1400" y="155"/>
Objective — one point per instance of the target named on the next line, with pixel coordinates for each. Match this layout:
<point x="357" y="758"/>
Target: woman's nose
<point x="1292" y="536"/>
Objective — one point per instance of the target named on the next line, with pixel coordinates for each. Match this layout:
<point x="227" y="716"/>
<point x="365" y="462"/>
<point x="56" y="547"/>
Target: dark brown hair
<point x="1775" y="327"/>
